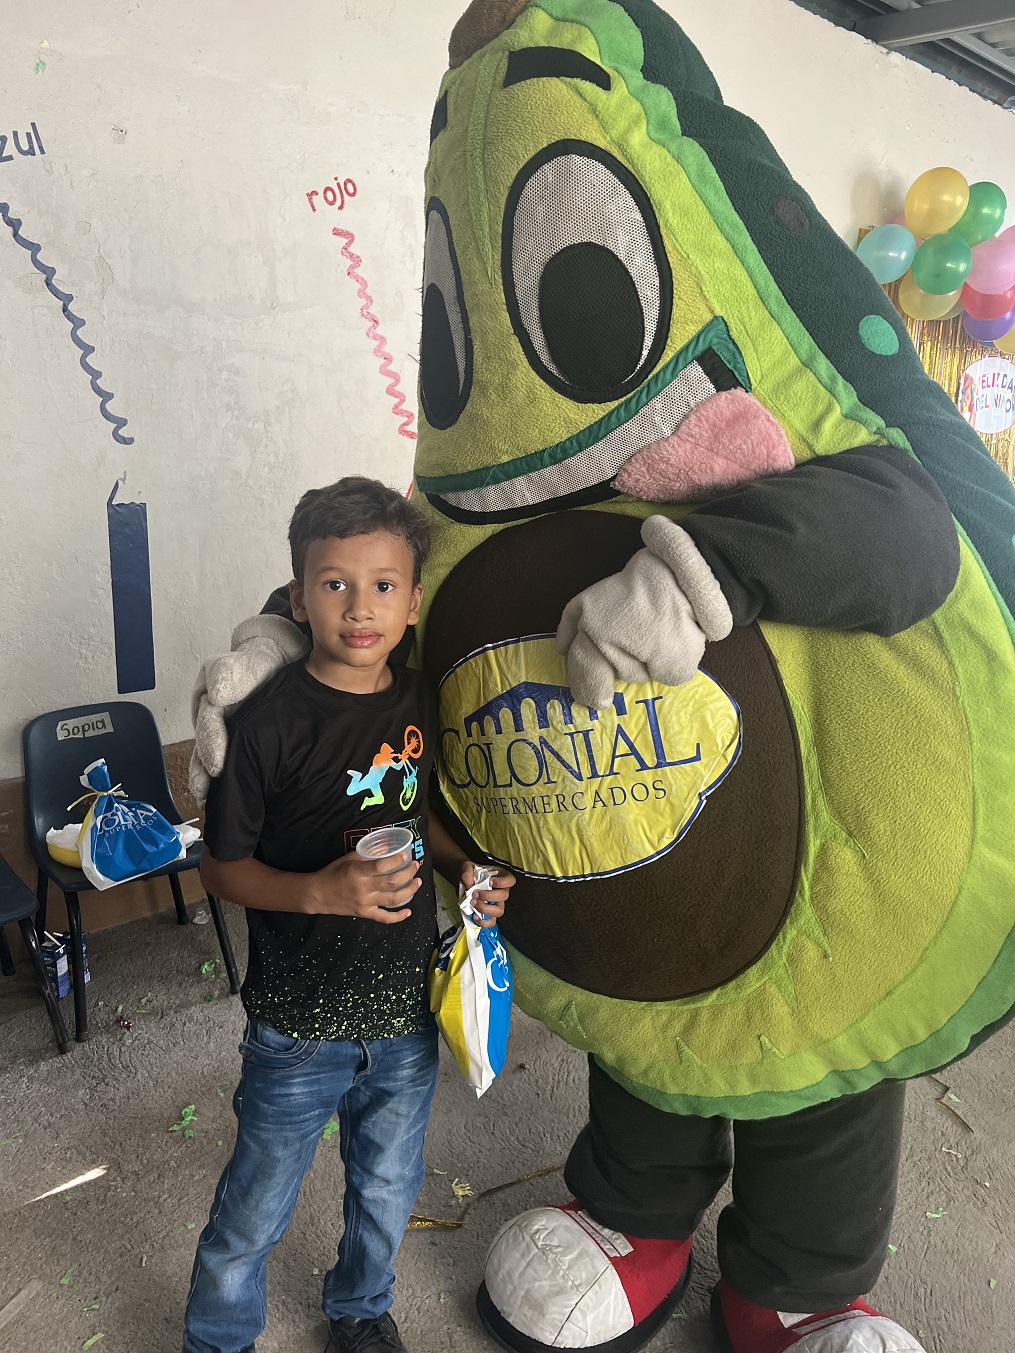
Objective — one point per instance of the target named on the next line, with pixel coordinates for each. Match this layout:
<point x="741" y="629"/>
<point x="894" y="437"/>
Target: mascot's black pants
<point x="813" y="1193"/>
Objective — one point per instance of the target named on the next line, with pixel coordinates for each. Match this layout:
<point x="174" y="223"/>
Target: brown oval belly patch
<point x="709" y="908"/>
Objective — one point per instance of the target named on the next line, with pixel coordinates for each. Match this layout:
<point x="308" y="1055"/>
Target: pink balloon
<point x="901" y="220"/>
<point x="993" y="266"/>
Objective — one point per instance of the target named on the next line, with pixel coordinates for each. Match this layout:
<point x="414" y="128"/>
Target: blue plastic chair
<point x="18" y="907"/>
<point x="57" y="748"/>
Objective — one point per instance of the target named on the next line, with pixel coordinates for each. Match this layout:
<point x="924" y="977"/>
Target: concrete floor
<point x="127" y="1239"/>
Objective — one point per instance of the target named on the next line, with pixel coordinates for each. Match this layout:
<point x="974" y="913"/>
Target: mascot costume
<point x="719" y="610"/>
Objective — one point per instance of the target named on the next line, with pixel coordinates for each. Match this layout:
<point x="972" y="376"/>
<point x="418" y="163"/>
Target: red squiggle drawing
<point x="394" y="389"/>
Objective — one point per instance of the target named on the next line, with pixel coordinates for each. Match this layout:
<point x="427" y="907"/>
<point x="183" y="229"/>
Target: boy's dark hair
<point x="357" y="506"/>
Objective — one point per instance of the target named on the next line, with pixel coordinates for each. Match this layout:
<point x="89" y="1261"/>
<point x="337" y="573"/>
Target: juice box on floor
<point x="56" y="956"/>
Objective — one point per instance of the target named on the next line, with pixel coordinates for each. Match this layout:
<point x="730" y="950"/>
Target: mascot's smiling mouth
<point x="582" y="469"/>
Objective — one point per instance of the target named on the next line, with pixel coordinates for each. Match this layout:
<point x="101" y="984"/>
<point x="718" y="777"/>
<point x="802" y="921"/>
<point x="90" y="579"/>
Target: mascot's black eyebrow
<point x="440" y="117"/>
<point x="534" y="63"/>
<point x="551" y="63"/>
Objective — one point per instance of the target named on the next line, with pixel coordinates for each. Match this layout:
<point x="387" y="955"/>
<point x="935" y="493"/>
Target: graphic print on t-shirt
<point x="388" y="759"/>
<point x="282" y="798"/>
<point x="414" y="824"/>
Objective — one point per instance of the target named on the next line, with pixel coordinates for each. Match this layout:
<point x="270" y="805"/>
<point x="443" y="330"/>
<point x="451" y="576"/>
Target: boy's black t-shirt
<point x="309" y="771"/>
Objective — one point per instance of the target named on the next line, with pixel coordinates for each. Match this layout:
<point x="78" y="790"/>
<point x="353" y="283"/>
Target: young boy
<point x="330" y="748"/>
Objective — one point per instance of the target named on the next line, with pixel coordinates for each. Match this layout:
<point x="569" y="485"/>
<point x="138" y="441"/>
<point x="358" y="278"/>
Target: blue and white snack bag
<point x="120" y="839"/>
<point x="471" y="987"/>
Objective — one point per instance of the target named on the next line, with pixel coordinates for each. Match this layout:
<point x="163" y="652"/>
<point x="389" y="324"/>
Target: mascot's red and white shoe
<point x="557" y="1279"/>
<point x="743" y="1327"/>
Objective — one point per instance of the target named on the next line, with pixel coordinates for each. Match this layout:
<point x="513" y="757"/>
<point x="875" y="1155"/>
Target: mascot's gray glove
<point x="649" y="622"/>
<point x="261" y="646"/>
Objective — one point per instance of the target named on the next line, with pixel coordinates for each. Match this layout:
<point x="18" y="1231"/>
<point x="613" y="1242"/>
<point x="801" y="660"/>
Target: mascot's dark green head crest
<point x="599" y="222"/>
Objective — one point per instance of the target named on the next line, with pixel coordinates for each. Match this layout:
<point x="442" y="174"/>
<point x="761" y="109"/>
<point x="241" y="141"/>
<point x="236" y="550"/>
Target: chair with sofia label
<point x="57" y="748"/>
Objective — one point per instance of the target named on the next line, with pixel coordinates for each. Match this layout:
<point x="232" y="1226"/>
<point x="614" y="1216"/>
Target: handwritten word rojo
<point x="334" y="197"/>
<point x="6" y="157"/>
<point x="387" y="368"/>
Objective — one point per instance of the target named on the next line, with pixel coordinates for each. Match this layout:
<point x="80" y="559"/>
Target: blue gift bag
<point x="120" y="839"/>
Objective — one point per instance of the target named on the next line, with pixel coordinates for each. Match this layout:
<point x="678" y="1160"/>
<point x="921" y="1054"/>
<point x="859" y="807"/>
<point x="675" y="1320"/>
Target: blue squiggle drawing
<point x="76" y="324"/>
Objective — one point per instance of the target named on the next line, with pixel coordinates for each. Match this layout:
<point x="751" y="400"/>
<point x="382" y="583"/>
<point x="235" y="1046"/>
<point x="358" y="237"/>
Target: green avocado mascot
<point x="718" y="606"/>
<point x="719" y="610"/>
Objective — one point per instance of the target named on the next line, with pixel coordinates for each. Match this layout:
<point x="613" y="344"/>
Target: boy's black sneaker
<point x="349" y="1335"/>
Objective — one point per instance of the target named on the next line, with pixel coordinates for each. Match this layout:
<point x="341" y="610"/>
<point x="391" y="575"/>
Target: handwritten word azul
<point x="7" y="158"/>
<point x="338" y="195"/>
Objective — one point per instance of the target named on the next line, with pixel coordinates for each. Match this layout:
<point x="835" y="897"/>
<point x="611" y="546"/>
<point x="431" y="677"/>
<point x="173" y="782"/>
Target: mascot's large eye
<point x="586" y="278"/>
<point x="445" y="350"/>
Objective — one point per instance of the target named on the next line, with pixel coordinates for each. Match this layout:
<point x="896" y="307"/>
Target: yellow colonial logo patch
<point x="560" y="791"/>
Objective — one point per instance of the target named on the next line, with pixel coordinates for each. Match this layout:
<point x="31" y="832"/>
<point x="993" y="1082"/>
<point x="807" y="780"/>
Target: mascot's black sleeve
<point x="860" y="540"/>
<point x="278" y="604"/>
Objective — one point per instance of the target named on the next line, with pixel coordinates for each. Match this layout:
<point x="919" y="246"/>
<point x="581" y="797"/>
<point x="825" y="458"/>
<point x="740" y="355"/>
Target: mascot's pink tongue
<point x="728" y="440"/>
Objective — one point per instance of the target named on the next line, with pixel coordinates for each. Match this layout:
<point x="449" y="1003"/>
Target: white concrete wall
<point x="181" y="139"/>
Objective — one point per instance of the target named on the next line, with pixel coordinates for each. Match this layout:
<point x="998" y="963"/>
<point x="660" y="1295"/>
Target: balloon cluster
<point x="945" y="251"/>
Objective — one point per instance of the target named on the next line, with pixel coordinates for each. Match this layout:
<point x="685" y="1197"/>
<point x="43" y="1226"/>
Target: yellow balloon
<point x="920" y="304"/>
<point x="936" y="202"/>
<point x="956" y="309"/>
<point x="1006" y="344"/>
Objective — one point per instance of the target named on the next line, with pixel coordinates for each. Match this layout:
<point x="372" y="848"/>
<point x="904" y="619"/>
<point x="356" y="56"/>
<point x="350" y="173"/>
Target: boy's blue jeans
<point x="288" y="1090"/>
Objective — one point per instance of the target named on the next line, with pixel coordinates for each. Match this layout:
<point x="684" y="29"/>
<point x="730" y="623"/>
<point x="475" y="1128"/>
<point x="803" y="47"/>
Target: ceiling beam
<point x="930" y="23"/>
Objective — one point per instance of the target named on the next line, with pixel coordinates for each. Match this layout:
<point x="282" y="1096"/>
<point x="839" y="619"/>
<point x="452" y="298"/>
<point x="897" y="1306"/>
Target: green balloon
<point x="984" y="216"/>
<point x="942" y="264"/>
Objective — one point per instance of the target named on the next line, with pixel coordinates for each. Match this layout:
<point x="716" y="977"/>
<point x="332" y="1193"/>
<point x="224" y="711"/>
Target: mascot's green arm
<point x="862" y="540"/>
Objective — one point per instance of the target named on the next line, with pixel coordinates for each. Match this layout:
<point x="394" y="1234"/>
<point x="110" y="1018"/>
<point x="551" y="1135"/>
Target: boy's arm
<point x="451" y="860"/>
<point x="350" y="886"/>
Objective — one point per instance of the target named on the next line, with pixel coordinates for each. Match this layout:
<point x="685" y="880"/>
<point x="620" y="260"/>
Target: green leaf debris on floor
<point x="90" y="1343"/>
<point x="65" y="1280"/>
<point x="187" y="1116"/>
<point x="462" y="1189"/>
<point x="936" y="1216"/>
<point x="6" y="1141"/>
<point x="330" y="1128"/>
